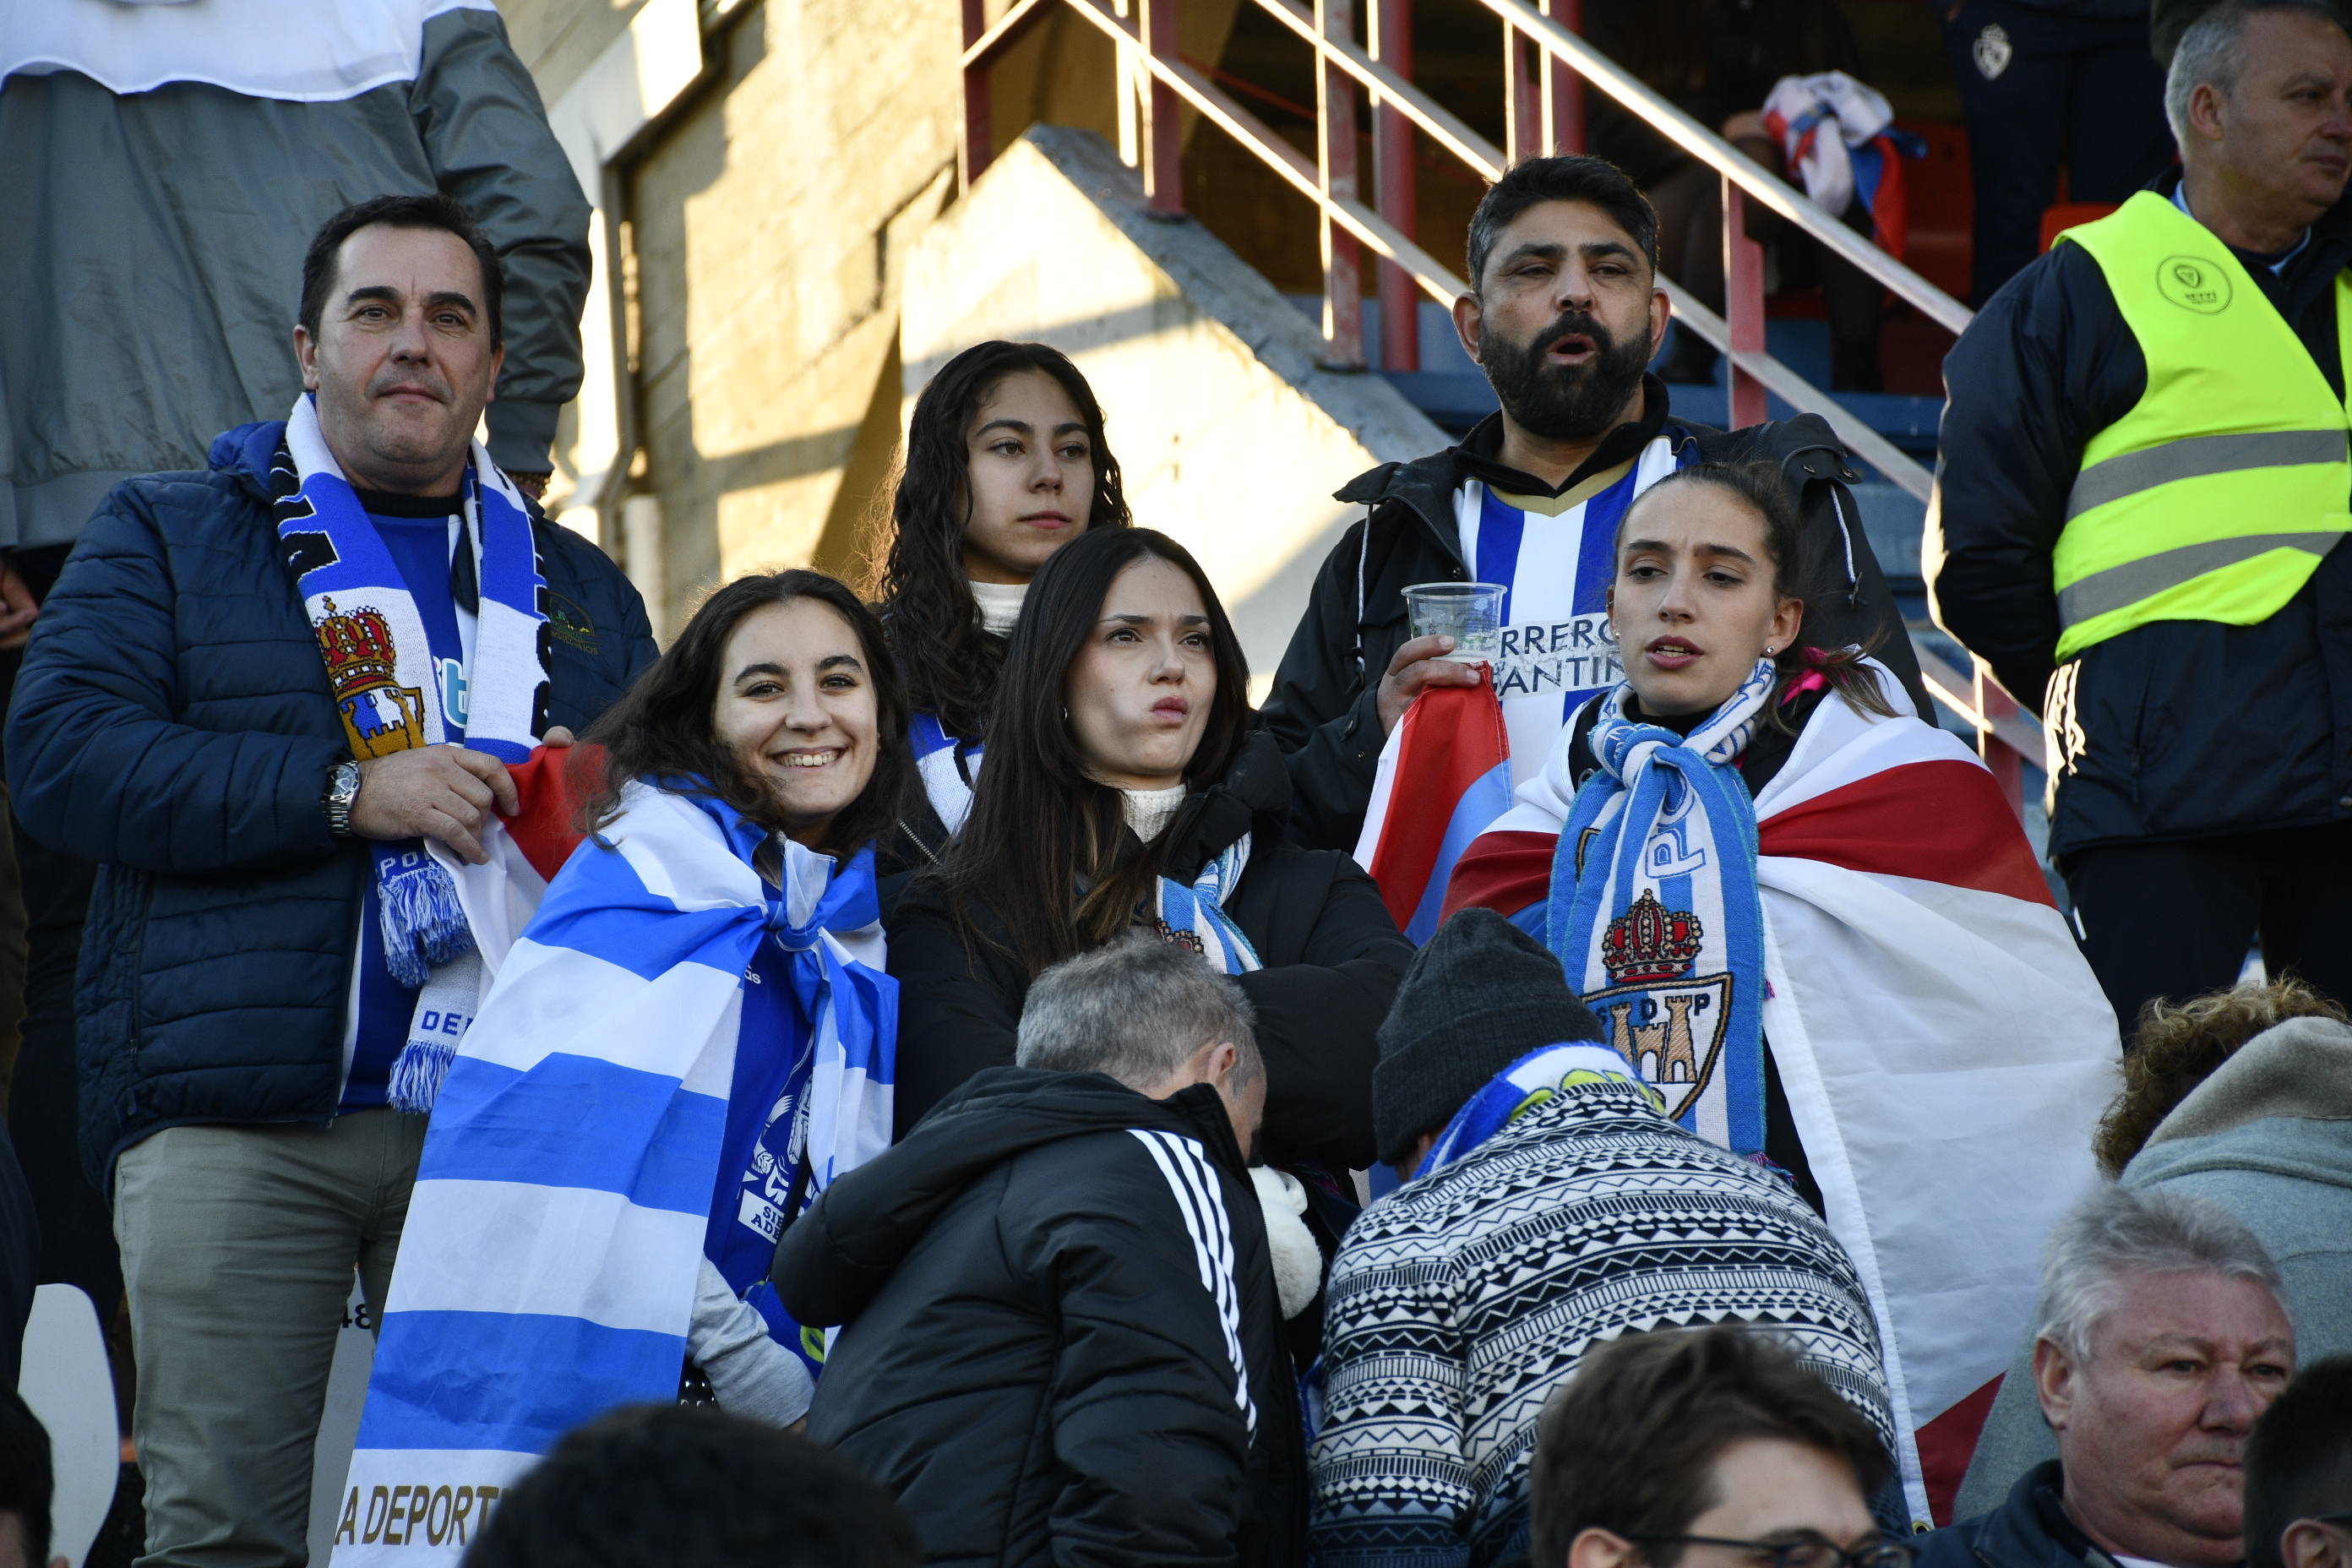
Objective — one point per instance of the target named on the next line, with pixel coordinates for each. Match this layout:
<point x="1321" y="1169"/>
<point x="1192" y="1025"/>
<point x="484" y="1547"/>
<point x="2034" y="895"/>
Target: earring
<point x="1065" y="715"/>
<point x="1771" y="652"/>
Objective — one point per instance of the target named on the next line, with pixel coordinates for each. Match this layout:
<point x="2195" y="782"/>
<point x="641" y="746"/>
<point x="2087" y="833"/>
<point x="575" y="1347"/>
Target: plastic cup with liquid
<point x="1469" y="613"/>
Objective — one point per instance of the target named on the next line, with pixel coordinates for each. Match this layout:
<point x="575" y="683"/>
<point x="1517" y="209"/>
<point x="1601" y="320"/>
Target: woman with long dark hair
<point x="691" y="1038"/>
<point x="1005" y="464"/>
<point x="1810" y="920"/>
<point x="1126" y="786"/>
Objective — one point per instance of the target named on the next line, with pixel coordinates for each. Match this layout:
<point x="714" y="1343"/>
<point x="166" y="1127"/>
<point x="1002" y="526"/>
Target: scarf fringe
<point x="418" y="1074"/>
<point x="423" y="922"/>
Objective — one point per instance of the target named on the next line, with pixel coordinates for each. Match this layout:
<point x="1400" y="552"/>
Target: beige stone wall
<point x="766" y="220"/>
<point x="770" y="221"/>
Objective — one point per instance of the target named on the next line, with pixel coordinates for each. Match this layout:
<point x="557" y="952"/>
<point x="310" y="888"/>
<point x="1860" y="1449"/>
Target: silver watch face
<point x="343" y="792"/>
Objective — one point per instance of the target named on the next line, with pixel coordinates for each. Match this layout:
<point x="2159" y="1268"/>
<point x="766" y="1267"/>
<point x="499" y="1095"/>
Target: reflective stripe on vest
<point x="2215" y="497"/>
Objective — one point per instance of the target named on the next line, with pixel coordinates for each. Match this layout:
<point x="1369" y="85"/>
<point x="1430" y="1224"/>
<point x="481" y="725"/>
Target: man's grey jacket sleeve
<point x="486" y="137"/>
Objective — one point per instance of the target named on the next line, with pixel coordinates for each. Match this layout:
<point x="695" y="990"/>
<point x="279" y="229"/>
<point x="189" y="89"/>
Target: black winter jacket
<point x="1324" y="708"/>
<point x="1046" y="1291"/>
<point x="173" y="723"/>
<point x="1332" y="956"/>
<point x="2030" y="1529"/>
<point x="2176" y="729"/>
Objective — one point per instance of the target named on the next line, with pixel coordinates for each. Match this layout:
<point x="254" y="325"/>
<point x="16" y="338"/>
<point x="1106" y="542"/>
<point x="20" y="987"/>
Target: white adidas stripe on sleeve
<point x="1193" y="1184"/>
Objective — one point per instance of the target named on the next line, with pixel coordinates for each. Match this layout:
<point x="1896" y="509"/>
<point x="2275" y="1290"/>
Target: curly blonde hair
<point x="2181" y="1045"/>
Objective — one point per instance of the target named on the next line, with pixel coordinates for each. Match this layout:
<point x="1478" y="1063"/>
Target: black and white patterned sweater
<point x="1457" y="1303"/>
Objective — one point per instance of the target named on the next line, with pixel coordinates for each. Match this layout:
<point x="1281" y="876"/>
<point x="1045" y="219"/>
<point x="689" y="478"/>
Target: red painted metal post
<point x="1163" y="153"/>
<point x="1390" y="36"/>
<point x="1335" y="161"/>
<point x="973" y="150"/>
<point x="2008" y="770"/>
<point x="1743" y="299"/>
<point x="1563" y="89"/>
<point x="1521" y="136"/>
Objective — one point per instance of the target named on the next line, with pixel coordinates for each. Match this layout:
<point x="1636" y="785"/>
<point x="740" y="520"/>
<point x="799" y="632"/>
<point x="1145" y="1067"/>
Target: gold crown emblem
<point x="358" y="649"/>
<point x="1650" y="942"/>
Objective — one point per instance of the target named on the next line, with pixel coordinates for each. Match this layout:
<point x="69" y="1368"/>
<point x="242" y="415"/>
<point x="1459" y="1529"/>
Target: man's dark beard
<point x="1564" y="402"/>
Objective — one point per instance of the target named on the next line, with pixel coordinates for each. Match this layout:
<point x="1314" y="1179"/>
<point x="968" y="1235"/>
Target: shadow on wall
<point x="682" y="167"/>
<point x="769" y="227"/>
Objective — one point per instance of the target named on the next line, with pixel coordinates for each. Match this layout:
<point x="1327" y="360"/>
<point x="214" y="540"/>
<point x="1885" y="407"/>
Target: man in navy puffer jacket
<point x="174" y="721"/>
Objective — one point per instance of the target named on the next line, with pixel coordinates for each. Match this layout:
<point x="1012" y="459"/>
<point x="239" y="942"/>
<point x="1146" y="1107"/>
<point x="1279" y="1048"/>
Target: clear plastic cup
<point x="1469" y="613"/>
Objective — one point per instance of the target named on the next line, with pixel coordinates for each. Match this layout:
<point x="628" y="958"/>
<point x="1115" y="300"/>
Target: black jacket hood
<point x="831" y="1261"/>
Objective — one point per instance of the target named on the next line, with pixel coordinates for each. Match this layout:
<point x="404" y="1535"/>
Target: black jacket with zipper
<point x="1061" y="1342"/>
<point x="1332" y="957"/>
<point x="1324" y="709"/>
<point x="2029" y="1529"/>
<point x="2176" y="729"/>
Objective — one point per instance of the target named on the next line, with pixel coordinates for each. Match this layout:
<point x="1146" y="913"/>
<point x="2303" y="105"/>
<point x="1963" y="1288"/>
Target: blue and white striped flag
<point x="547" y="1271"/>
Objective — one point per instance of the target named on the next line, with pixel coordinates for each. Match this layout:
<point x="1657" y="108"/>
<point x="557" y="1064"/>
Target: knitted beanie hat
<point x="1479" y="997"/>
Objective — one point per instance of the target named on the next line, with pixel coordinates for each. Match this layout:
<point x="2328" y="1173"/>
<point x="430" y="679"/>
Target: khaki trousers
<point x="238" y="1244"/>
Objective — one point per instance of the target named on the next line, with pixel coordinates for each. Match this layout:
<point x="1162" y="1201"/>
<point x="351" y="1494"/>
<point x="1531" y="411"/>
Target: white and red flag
<point x="1444" y="776"/>
<point x="1945" y="1050"/>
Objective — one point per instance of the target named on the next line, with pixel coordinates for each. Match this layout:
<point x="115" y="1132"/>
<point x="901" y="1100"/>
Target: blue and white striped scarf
<point x="1194" y="913"/>
<point x="548" y="1266"/>
<point x="946" y="765"/>
<point x="1540" y="1075"/>
<point x="1655" y="913"/>
<point x="380" y="667"/>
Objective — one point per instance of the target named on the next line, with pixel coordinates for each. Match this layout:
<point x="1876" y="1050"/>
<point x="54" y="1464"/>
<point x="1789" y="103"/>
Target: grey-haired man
<point x="2159" y="1337"/>
<point x="1060" y="1338"/>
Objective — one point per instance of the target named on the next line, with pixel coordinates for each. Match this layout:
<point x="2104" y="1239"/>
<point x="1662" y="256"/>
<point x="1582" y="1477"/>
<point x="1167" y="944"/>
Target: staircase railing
<point x="1547" y="68"/>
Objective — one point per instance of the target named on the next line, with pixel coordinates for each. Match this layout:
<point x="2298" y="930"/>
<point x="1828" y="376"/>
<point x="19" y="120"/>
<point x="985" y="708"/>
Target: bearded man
<point x="1563" y="314"/>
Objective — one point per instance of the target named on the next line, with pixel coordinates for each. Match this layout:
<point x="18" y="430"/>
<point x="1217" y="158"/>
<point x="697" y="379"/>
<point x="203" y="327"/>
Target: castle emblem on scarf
<point x="1650" y="942"/>
<point x="380" y="716"/>
<point x="1667" y="1022"/>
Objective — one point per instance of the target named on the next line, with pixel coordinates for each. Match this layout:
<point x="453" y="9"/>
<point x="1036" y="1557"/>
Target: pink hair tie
<point x="1812" y="681"/>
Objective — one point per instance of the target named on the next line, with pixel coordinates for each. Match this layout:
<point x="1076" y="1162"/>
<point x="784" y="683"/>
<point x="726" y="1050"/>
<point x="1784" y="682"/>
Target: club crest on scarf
<point x="1667" y="1022"/>
<point x="379" y="715"/>
<point x="768" y="1185"/>
<point x="1654" y="910"/>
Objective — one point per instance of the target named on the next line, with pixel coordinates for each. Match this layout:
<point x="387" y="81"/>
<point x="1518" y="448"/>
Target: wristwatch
<point x="342" y="789"/>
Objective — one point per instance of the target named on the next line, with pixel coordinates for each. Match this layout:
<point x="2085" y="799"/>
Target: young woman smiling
<point x="1005" y="464"/>
<point x="697" y="1020"/>
<point x="1752" y="838"/>
<point x="1126" y="786"/>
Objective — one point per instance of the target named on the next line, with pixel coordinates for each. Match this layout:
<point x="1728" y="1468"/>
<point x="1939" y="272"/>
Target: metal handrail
<point x="1798" y="392"/>
<point x="1663" y="115"/>
<point x="1485" y="159"/>
<point x="1327" y="179"/>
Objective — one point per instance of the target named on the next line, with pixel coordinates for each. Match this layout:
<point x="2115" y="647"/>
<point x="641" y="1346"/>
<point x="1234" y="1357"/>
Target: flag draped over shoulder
<point x="1444" y="776"/>
<point x="1945" y="1050"/>
<point x="553" y="1240"/>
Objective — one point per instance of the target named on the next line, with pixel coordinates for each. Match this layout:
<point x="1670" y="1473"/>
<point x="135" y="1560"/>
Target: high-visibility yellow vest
<point x="2216" y="495"/>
